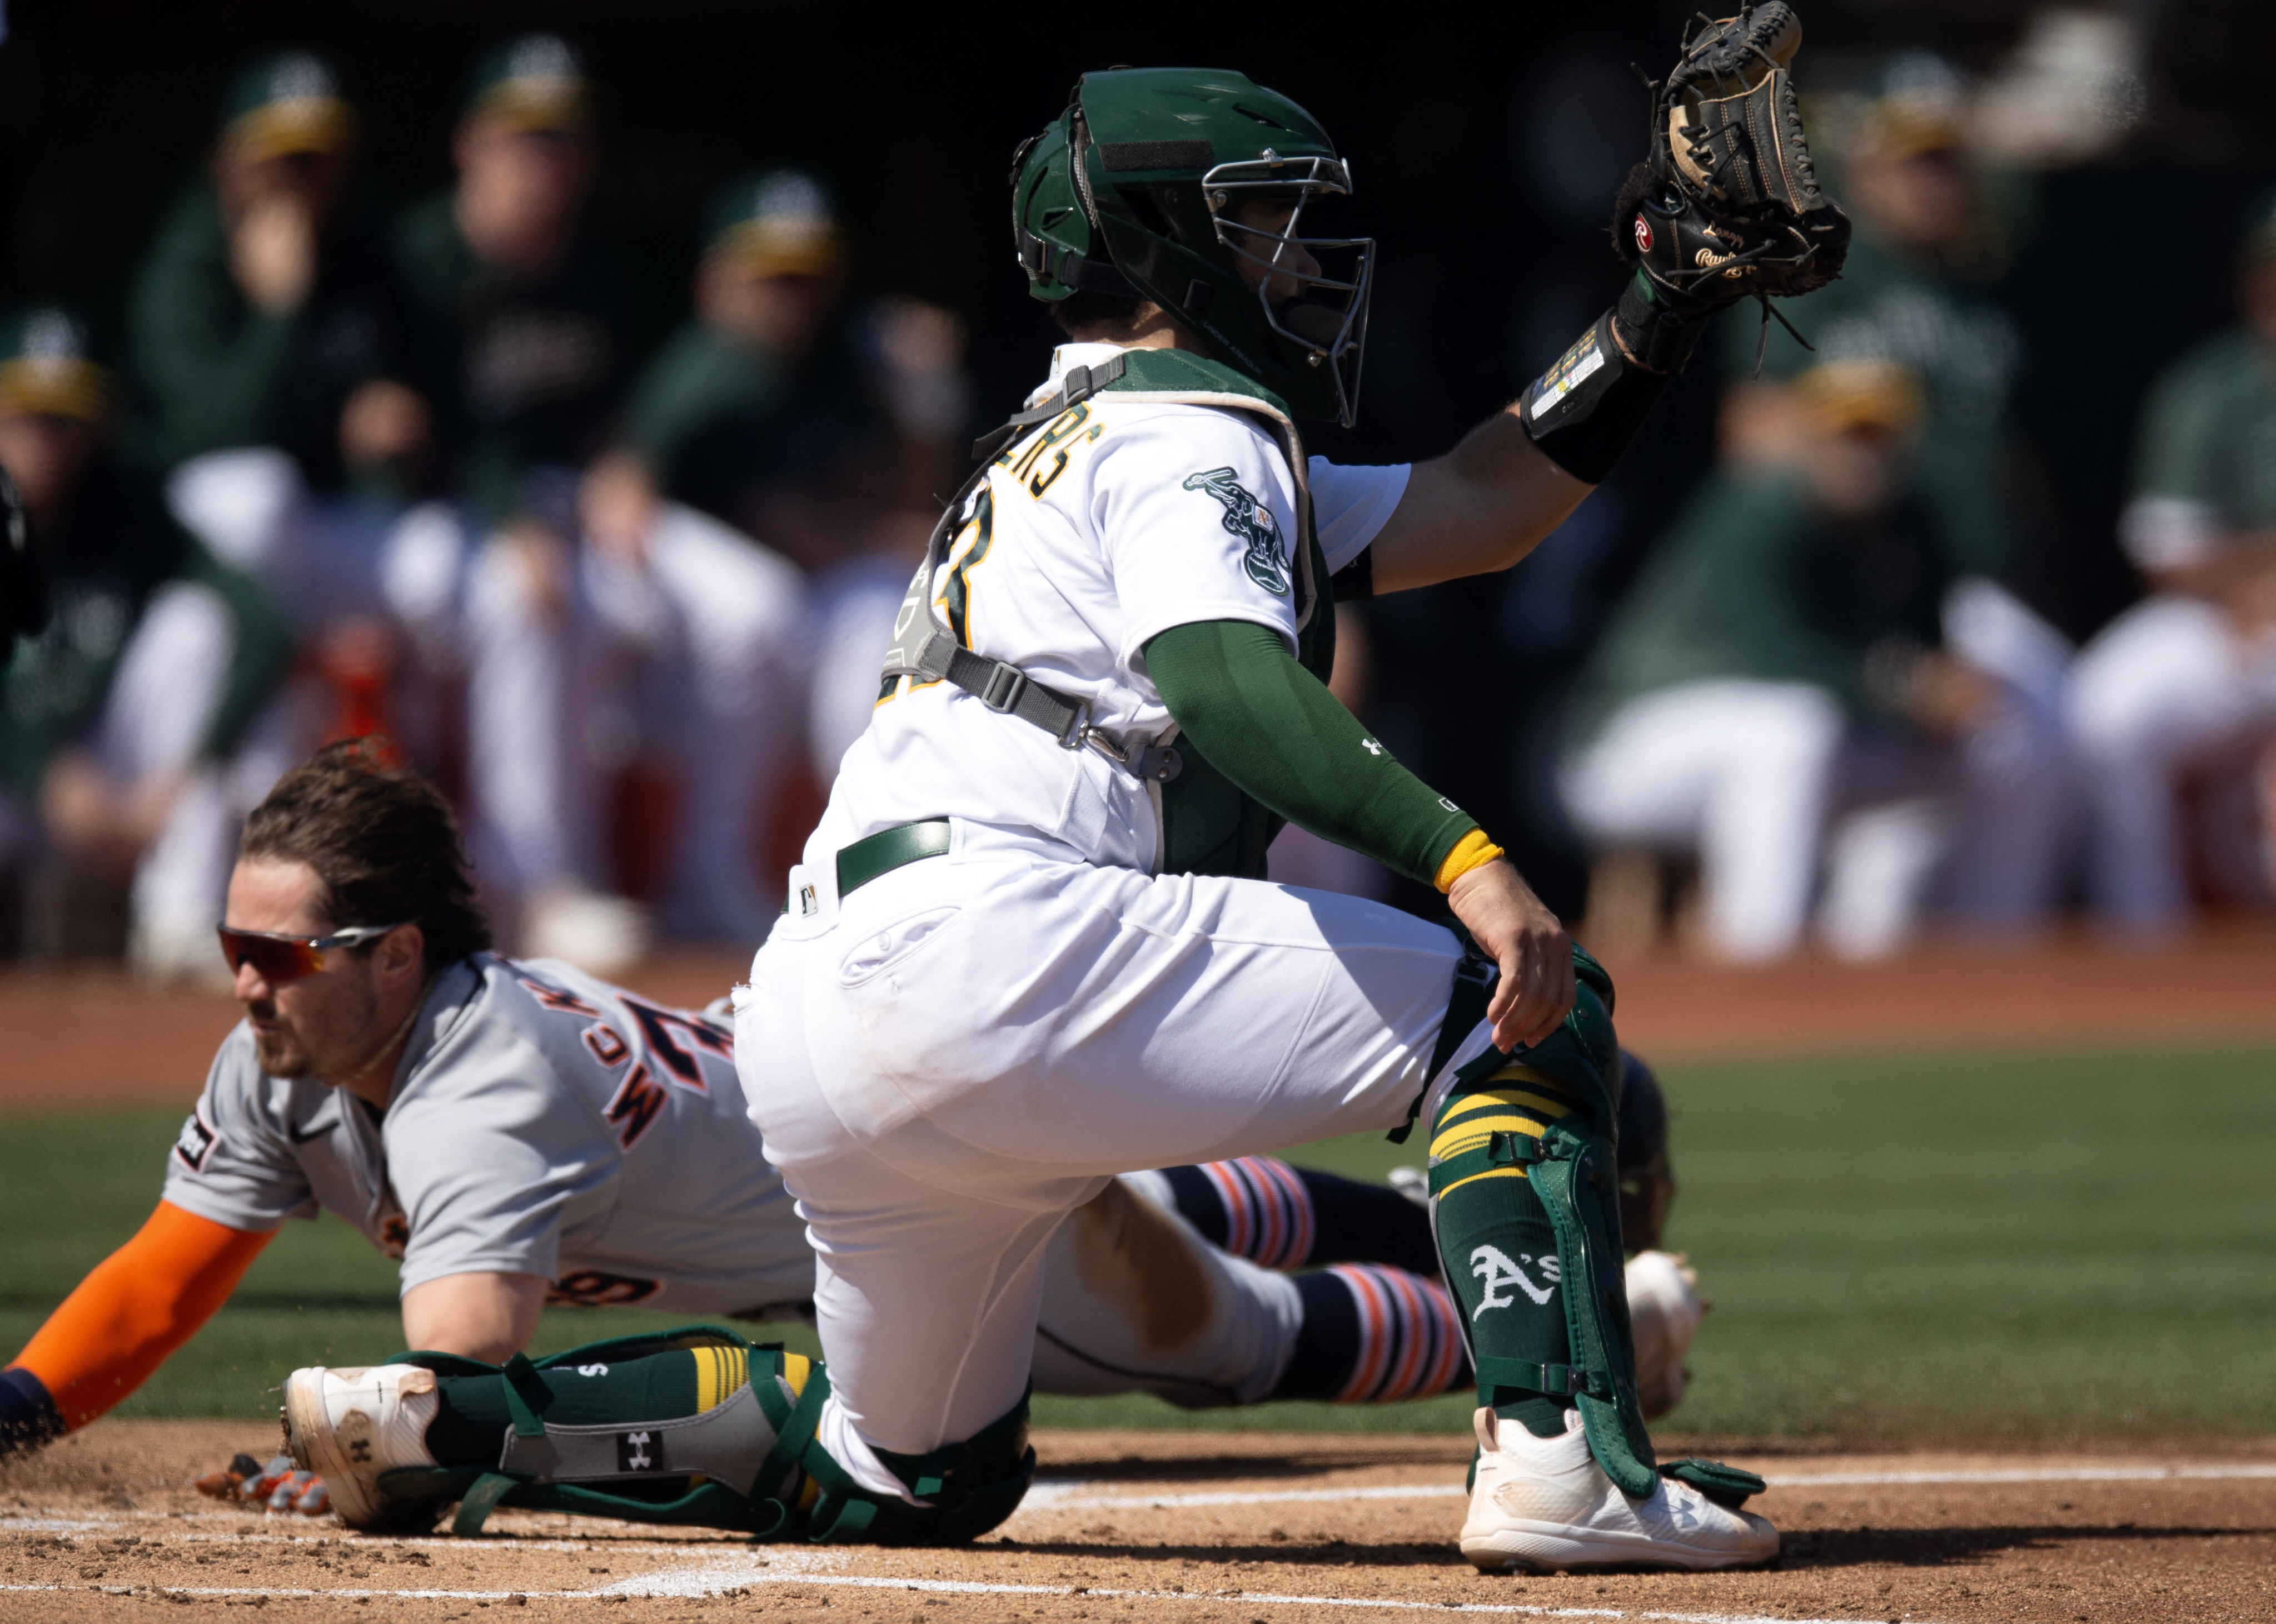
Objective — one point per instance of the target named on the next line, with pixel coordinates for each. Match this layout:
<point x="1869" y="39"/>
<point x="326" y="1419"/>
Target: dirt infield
<point x="91" y="1036"/>
<point x="1214" y="1529"/>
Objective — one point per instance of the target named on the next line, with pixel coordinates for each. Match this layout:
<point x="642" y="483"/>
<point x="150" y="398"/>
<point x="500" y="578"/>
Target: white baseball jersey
<point x="1119" y="520"/>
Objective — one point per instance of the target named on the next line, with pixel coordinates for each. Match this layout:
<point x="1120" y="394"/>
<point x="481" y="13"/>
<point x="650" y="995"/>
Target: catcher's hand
<point x="1729" y="207"/>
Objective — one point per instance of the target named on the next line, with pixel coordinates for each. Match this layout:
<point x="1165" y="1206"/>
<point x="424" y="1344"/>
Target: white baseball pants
<point x="975" y="1044"/>
<point x="2168" y="692"/>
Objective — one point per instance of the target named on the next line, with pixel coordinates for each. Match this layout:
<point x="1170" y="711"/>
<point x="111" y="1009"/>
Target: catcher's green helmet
<point x="1136" y="189"/>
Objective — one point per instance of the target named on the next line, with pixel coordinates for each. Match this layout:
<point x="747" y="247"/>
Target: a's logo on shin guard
<point x="636" y="1452"/>
<point x="1494" y="1268"/>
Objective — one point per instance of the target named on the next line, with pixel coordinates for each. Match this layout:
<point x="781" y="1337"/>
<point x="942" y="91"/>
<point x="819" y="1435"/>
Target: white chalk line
<point x="1071" y="1495"/>
<point x="2027" y="1474"/>
<point x="958" y="1587"/>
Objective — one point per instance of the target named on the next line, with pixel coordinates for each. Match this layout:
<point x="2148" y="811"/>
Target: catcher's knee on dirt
<point x="1525" y="1205"/>
<point x="962" y="1490"/>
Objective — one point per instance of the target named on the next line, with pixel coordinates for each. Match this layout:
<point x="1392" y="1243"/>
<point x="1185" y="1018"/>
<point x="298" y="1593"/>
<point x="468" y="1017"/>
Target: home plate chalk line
<point x="716" y="1579"/>
<point x="1082" y="1496"/>
<point x="710" y="1571"/>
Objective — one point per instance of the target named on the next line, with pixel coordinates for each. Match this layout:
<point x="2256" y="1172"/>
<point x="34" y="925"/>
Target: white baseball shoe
<point x="349" y="1426"/>
<point x="1542" y="1503"/>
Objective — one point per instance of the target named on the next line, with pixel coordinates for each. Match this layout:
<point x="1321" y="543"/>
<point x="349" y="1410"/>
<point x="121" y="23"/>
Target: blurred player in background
<point x="1783" y="691"/>
<point x="520" y="314"/>
<point x="267" y="314"/>
<point x="593" y="625"/>
<point x="825" y="427"/>
<point x="2173" y="705"/>
<point x="1915" y="291"/>
<point x="118" y="721"/>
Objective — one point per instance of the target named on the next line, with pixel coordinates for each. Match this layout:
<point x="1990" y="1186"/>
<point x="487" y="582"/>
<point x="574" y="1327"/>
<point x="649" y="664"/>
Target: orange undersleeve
<point x="135" y="1309"/>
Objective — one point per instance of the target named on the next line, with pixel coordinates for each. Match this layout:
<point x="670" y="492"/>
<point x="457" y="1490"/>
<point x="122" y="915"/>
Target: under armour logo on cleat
<point x="1493" y="1267"/>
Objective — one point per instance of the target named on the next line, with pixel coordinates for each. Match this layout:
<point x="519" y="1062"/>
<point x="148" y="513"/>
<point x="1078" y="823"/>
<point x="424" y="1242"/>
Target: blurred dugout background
<point x="2116" y="186"/>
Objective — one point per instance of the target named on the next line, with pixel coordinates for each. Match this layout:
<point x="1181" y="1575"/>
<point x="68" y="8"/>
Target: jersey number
<point x="956" y="602"/>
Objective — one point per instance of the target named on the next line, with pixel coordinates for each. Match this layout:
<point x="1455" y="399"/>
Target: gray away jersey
<point x="542" y="1122"/>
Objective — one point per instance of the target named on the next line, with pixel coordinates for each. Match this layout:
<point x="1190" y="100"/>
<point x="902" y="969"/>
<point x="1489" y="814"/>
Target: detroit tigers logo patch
<point x="1252" y="522"/>
<point x="196" y="1142"/>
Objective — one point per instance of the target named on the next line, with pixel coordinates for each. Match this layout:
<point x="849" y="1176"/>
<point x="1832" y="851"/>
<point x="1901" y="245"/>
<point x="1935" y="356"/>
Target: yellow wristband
<point x="1472" y="851"/>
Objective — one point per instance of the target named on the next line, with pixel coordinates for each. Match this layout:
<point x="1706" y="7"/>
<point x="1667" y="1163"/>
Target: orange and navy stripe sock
<point x="1372" y="1335"/>
<point x="1280" y="1216"/>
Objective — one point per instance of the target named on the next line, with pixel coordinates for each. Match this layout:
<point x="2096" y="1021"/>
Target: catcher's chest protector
<point x="1208" y="825"/>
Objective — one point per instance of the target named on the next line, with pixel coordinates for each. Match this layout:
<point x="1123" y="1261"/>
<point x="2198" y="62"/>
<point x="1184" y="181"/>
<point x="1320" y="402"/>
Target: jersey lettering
<point x="593" y="1289"/>
<point x="1252" y="523"/>
<point x="634" y="1106"/>
<point x="1062" y="428"/>
<point x="1493" y="1267"/>
<point x="608" y="1048"/>
<point x="657" y="1027"/>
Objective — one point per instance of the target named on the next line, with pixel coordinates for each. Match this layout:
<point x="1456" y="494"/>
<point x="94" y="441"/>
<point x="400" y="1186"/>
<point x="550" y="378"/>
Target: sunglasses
<point x="288" y="958"/>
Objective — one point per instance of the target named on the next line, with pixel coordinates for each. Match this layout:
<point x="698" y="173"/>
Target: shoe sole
<point x="315" y="1445"/>
<point x="1543" y="1547"/>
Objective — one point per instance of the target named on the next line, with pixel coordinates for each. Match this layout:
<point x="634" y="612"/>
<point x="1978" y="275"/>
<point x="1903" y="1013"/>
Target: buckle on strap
<point x="1002" y="688"/>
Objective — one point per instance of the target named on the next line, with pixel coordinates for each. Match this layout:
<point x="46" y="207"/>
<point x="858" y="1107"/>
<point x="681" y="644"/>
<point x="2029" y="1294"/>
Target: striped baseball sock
<point x="1257" y="1208"/>
<point x="1281" y="1217"/>
<point x="1500" y="1251"/>
<point x="1373" y="1335"/>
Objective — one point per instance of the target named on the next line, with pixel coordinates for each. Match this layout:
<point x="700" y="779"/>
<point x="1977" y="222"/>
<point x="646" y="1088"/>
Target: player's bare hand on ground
<point x="1500" y="909"/>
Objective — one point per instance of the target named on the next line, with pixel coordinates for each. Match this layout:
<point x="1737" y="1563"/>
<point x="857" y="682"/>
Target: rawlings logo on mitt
<point x="1728" y="206"/>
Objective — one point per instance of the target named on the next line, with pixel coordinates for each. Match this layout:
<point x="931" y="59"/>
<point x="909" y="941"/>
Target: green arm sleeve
<point x="1274" y="728"/>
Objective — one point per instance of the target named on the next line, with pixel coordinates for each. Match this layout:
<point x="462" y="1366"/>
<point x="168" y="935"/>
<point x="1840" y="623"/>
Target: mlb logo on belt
<point x="639" y="1452"/>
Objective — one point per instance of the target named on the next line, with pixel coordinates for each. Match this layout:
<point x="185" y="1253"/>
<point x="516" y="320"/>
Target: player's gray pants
<point x="1135" y="1300"/>
<point x="981" y="1041"/>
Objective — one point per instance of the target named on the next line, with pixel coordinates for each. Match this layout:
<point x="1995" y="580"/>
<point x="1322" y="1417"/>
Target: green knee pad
<point x="697" y="1426"/>
<point x="967" y="1488"/>
<point x="1571" y="1169"/>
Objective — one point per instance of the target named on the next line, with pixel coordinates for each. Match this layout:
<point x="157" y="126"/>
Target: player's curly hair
<point x="382" y="840"/>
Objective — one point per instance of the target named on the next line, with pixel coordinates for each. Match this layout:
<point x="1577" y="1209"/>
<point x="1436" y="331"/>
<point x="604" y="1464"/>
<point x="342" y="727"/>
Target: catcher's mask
<point x="1137" y="190"/>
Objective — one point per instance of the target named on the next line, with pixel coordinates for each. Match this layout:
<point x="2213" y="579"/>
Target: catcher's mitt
<point x="1729" y="207"/>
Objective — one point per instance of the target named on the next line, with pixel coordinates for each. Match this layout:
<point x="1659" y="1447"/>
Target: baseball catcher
<point x="516" y="1132"/>
<point x="1031" y="946"/>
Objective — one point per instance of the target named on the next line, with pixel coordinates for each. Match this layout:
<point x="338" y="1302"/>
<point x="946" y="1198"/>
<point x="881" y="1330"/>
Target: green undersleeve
<point x="1274" y="728"/>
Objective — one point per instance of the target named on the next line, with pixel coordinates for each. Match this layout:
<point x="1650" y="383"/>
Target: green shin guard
<point x="696" y="1426"/>
<point x="1524" y="1195"/>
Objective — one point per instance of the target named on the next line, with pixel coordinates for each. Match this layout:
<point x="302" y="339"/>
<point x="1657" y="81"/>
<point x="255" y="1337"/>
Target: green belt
<point x="887" y="850"/>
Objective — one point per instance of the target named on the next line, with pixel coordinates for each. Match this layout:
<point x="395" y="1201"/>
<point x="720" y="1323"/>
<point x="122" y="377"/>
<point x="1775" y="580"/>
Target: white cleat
<point x="1542" y="1503"/>
<point x="349" y="1426"/>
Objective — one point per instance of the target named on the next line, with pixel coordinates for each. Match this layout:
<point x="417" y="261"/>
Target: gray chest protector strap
<point x="923" y="648"/>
